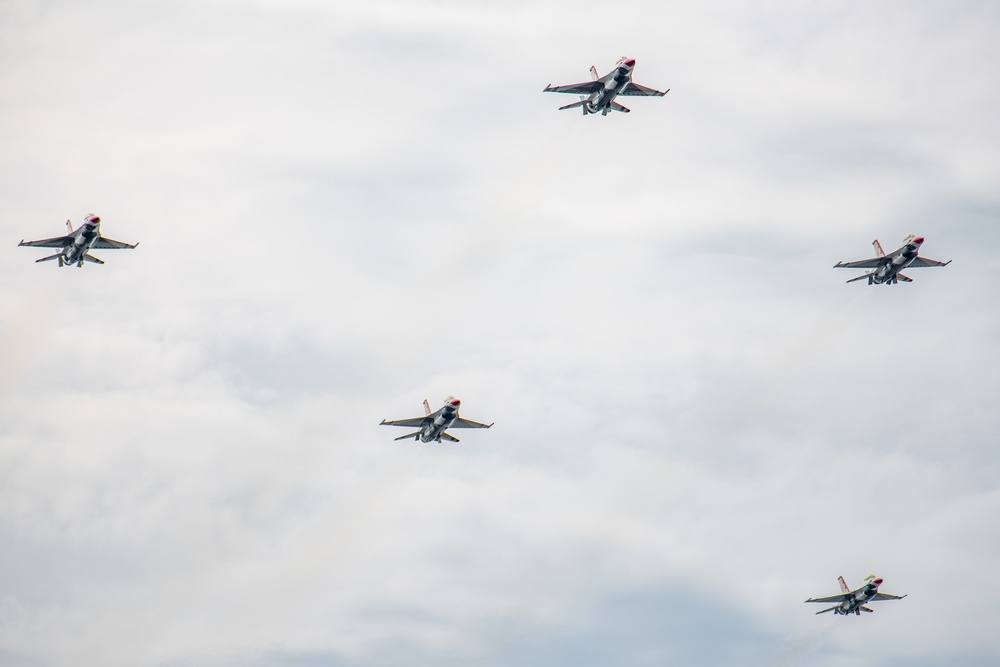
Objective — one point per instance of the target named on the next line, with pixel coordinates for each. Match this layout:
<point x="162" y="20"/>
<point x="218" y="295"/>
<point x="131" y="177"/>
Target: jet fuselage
<point x="859" y="598"/>
<point x="614" y="83"/>
<point x="898" y="261"/>
<point x="441" y="421"/>
<point x="83" y="238"/>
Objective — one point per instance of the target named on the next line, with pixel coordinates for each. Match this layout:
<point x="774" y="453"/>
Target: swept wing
<point x="872" y="263"/>
<point x="635" y="90"/>
<point x="468" y="423"/>
<point x="415" y="422"/>
<point x="923" y="261"/>
<point x="55" y="242"/>
<point x="110" y="244"/>
<point x="887" y="596"/>
<point x="832" y="598"/>
<point x="576" y="88"/>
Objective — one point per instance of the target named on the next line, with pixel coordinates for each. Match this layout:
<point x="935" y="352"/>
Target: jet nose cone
<point x="877" y="582"/>
<point x="455" y="402"/>
<point x="630" y="62"/>
<point x="918" y="240"/>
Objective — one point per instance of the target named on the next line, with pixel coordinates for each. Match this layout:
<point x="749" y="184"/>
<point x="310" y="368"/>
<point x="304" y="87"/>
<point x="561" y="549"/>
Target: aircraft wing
<point x="576" y="88"/>
<point x="416" y="421"/>
<point x="468" y="423"/>
<point x="635" y="90"/>
<point x="872" y="263"/>
<point x="923" y="261"/>
<point x="832" y="598"/>
<point x="887" y="596"/>
<point x="56" y="242"/>
<point x="110" y="244"/>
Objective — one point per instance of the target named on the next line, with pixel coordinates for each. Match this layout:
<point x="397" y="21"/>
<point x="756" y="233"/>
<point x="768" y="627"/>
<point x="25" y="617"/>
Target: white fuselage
<point x="898" y="261"/>
<point x="441" y="420"/>
<point x="83" y="238"/>
<point x="857" y="600"/>
<point x="614" y="83"/>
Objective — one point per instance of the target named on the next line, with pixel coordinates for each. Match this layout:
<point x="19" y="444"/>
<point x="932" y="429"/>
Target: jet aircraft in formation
<point x="432" y="425"/>
<point x="596" y="96"/>
<point x="853" y="602"/>
<point x="888" y="267"/>
<point x="76" y="245"/>
<point x="599" y="94"/>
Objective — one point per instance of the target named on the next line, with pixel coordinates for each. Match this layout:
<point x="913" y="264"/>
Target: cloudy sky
<point x="345" y="208"/>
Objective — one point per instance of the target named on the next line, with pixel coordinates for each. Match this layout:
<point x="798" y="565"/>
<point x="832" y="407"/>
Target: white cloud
<point x="344" y="210"/>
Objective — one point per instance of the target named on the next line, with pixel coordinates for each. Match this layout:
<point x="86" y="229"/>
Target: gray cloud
<point x="345" y="210"/>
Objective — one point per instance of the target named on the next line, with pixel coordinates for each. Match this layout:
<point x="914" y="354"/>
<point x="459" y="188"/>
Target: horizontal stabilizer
<point x="863" y="608"/>
<point x="90" y="258"/>
<point x="415" y="436"/>
<point x="55" y="256"/>
<point x="449" y="438"/>
<point x="619" y="107"/>
<point x="828" y="609"/>
<point x="867" y="275"/>
<point x="905" y="279"/>
<point x="581" y="103"/>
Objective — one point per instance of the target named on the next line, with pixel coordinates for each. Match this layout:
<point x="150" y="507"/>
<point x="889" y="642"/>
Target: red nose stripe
<point x="919" y="239"/>
<point x="630" y="63"/>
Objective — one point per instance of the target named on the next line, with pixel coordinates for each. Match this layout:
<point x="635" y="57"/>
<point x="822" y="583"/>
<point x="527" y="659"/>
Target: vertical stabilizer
<point x="594" y="74"/>
<point x="844" y="588"/>
<point x="427" y="407"/>
<point x="878" y="248"/>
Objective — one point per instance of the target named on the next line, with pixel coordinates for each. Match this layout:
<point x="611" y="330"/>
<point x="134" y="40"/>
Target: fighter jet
<point x="599" y="94"/>
<point x="434" y="424"/>
<point x="888" y="267"/>
<point x="77" y="244"/>
<point x="853" y="602"/>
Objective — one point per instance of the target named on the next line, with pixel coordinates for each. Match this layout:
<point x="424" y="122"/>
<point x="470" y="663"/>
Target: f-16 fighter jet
<point x="434" y="424"/>
<point x="853" y="602"/>
<point x="888" y="267"/>
<point x="77" y="244"/>
<point x="599" y="95"/>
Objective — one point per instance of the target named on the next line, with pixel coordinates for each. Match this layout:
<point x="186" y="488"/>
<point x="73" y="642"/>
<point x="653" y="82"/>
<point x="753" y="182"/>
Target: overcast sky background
<point x="347" y="207"/>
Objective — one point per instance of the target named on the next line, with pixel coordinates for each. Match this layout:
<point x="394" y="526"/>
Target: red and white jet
<point x="434" y="424"/>
<point x="888" y="267"/>
<point x="853" y="602"/>
<point x="599" y="94"/>
<point x="77" y="244"/>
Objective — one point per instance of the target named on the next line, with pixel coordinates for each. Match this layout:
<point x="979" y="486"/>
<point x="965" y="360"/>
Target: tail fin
<point x="69" y="226"/>
<point x="878" y="248"/>
<point x="58" y="256"/>
<point x="90" y="258"/>
<point x="427" y="407"/>
<point x="594" y="74"/>
<point x="415" y="436"/>
<point x="619" y="107"/>
<point x="844" y="588"/>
